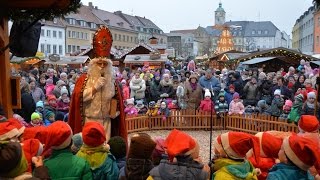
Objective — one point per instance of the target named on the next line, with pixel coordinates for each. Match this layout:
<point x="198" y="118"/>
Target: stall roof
<point x="68" y="60"/>
<point x="143" y="58"/>
<point x="257" y="60"/>
<point x="26" y="60"/>
<point x="316" y="62"/>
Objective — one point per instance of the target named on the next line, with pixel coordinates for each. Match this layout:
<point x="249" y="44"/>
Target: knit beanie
<point x="64" y="91"/>
<point x="288" y="103"/>
<point x="117" y="147"/>
<point x="311" y="95"/>
<point x="77" y="140"/>
<point x="141" y="146"/>
<point x="277" y="92"/>
<point x="49" y="81"/>
<point x="40" y="104"/>
<point x="35" y="116"/>
<point x="207" y="93"/>
<point x="221" y="94"/>
<point x="262" y="103"/>
<point x="299" y="98"/>
<point x="60" y="83"/>
<point x="49" y="114"/>
<point x="236" y="95"/>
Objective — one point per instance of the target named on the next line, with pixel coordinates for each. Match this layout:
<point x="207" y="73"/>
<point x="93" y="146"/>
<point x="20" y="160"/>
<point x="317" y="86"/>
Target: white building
<point x="52" y="39"/>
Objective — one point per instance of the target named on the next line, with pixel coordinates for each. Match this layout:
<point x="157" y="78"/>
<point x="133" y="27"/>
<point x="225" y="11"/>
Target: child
<point x="49" y="118"/>
<point x="102" y="162"/>
<point x="77" y="142"/>
<point x="286" y="110"/>
<point x="276" y="105"/>
<point x="153" y="109"/>
<point x="206" y="104"/>
<point x="119" y="150"/>
<point x="130" y="109"/>
<point x="36" y="120"/>
<point x="236" y="106"/>
<point x="40" y="107"/>
<point x="229" y="95"/>
<point x="51" y="105"/>
<point x="262" y="106"/>
<point x="309" y="127"/>
<point x="173" y="105"/>
<point x="125" y="89"/>
<point x="142" y="109"/>
<point x="296" y="109"/>
<point x="296" y="156"/>
<point x="63" y="102"/>
<point x="309" y="107"/>
<point x="184" y="161"/>
<point x="231" y="149"/>
<point x="49" y="87"/>
<point x="221" y="105"/>
<point x="31" y="148"/>
<point x="164" y="111"/>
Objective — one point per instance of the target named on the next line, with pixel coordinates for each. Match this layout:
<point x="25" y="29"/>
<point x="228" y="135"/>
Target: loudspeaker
<point x="15" y="92"/>
<point x="24" y="39"/>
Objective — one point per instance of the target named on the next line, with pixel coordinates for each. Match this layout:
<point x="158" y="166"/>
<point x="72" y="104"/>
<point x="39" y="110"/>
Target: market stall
<point x="138" y="60"/>
<point x="71" y="61"/>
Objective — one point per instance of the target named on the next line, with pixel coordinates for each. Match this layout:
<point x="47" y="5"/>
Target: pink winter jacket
<point x="49" y="89"/>
<point x="131" y="110"/>
<point x="205" y="105"/>
<point x="236" y="108"/>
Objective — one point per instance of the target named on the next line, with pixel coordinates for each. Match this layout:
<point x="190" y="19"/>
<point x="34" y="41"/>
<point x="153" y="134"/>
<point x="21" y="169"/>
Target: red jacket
<point x="206" y="105"/>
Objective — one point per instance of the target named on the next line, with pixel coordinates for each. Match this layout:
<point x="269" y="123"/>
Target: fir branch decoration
<point x="47" y="14"/>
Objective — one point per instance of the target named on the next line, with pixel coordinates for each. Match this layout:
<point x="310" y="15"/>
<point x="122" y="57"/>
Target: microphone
<point x="102" y="74"/>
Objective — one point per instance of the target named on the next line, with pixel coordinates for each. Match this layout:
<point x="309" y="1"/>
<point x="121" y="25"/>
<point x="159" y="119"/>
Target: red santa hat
<point x="217" y="143"/>
<point x="59" y="136"/>
<point x="16" y="123"/>
<point x="179" y="143"/>
<point x="7" y="131"/>
<point x="303" y="152"/>
<point x="93" y="134"/>
<point x="308" y="123"/>
<point x="269" y="145"/>
<point x="39" y="132"/>
<point x="237" y="144"/>
<point x="31" y="148"/>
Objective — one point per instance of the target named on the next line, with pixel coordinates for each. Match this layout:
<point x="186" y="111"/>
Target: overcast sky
<point x="188" y="14"/>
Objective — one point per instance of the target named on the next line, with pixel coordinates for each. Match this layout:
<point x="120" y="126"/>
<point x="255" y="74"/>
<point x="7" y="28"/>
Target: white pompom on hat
<point x="207" y="93"/>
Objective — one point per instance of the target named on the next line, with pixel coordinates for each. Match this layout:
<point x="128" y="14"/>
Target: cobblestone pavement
<point x="203" y="138"/>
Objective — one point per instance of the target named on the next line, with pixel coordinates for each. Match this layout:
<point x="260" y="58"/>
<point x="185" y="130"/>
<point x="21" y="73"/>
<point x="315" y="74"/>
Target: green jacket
<point x="63" y="165"/>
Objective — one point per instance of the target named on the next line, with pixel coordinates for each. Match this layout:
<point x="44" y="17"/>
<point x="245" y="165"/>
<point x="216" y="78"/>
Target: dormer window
<point x="266" y="32"/>
<point x="82" y="23"/>
<point x="93" y="26"/>
<point x="107" y="21"/>
<point x="120" y="24"/>
<point x="253" y="32"/>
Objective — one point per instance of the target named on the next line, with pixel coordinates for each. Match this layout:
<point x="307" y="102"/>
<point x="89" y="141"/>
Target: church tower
<point x="220" y="15"/>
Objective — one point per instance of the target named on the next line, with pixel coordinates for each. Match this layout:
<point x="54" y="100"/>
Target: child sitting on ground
<point x="236" y="106"/>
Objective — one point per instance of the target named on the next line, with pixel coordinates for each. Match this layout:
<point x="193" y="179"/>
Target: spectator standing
<point x="193" y="92"/>
<point x="210" y="82"/>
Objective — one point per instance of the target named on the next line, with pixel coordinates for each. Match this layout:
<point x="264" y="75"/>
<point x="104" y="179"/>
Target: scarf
<point x="310" y="105"/>
<point x="222" y="162"/>
<point x="19" y="169"/>
<point x="193" y="86"/>
<point x="95" y="156"/>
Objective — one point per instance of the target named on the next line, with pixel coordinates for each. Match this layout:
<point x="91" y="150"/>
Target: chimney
<point x="90" y="5"/>
<point x="96" y="7"/>
<point x="118" y="13"/>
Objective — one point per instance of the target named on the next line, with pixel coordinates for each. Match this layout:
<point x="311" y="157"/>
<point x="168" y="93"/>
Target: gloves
<point x="100" y="83"/>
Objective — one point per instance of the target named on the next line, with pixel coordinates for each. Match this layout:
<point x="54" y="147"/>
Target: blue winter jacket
<point x="211" y="84"/>
<point x="283" y="171"/>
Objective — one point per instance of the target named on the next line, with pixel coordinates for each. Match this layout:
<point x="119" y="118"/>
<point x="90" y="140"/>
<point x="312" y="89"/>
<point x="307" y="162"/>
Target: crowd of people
<point x="37" y="139"/>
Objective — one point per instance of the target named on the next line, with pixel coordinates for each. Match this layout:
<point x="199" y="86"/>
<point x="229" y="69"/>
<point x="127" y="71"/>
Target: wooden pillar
<point x="5" y="71"/>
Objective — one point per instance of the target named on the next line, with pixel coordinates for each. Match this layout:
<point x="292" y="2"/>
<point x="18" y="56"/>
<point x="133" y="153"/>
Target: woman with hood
<point x="137" y="86"/>
<point x="154" y="87"/>
<point x="166" y="87"/>
<point x="193" y="92"/>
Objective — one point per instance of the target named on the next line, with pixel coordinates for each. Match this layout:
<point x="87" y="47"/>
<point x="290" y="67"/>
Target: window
<point x="266" y="32"/>
<point x="253" y="32"/>
<point x="131" y="39"/>
<point x="86" y="36"/>
<point x="259" y="32"/>
<point x="317" y="41"/>
<point x="73" y="34"/>
<point x="60" y="49"/>
<point x="264" y="46"/>
<point x="81" y="35"/>
<point x="115" y="37"/>
<point x="54" y="34"/>
<point x="69" y="48"/>
<point x="54" y="47"/>
<point x="69" y="34"/>
<point x="136" y="39"/>
<point x="42" y="32"/>
<point x="93" y="25"/>
<point x="60" y="35"/>
<point x="127" y="38"/>
<point x="55" y="20"/>
<point x="123" y="38"/>
<point x="48" y="33"/>
<point x="78" y="35"/>
<point x="42" y="48"/>
<point x="48" y="48"/>
<point x="78" y="48"/>
<point x="82" y="23"/>
<point x="73" y="48"/>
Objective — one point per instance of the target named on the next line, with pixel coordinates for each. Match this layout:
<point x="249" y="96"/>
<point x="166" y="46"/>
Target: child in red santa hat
<point x="95" y="151"/>
<point x="296" y="156"/>
<point x="231" y="149"/>
<point x="269" y="148"/>
<point x="31" y="148"/>
<point x="184" y="161"/>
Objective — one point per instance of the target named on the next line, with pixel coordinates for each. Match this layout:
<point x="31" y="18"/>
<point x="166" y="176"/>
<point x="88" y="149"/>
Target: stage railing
<point x="196" y="120"/>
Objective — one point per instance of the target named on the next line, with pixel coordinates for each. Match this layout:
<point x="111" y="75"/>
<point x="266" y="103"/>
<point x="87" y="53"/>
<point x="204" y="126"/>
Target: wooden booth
<point x="139" y="60"/>
<point x="73" y="62"/>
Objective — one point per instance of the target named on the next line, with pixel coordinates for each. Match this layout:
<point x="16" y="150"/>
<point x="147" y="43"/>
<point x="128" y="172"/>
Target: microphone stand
<point x="211" y="127"/>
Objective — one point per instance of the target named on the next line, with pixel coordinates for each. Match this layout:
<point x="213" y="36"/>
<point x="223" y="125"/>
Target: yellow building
<point x="296" y="35"/>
